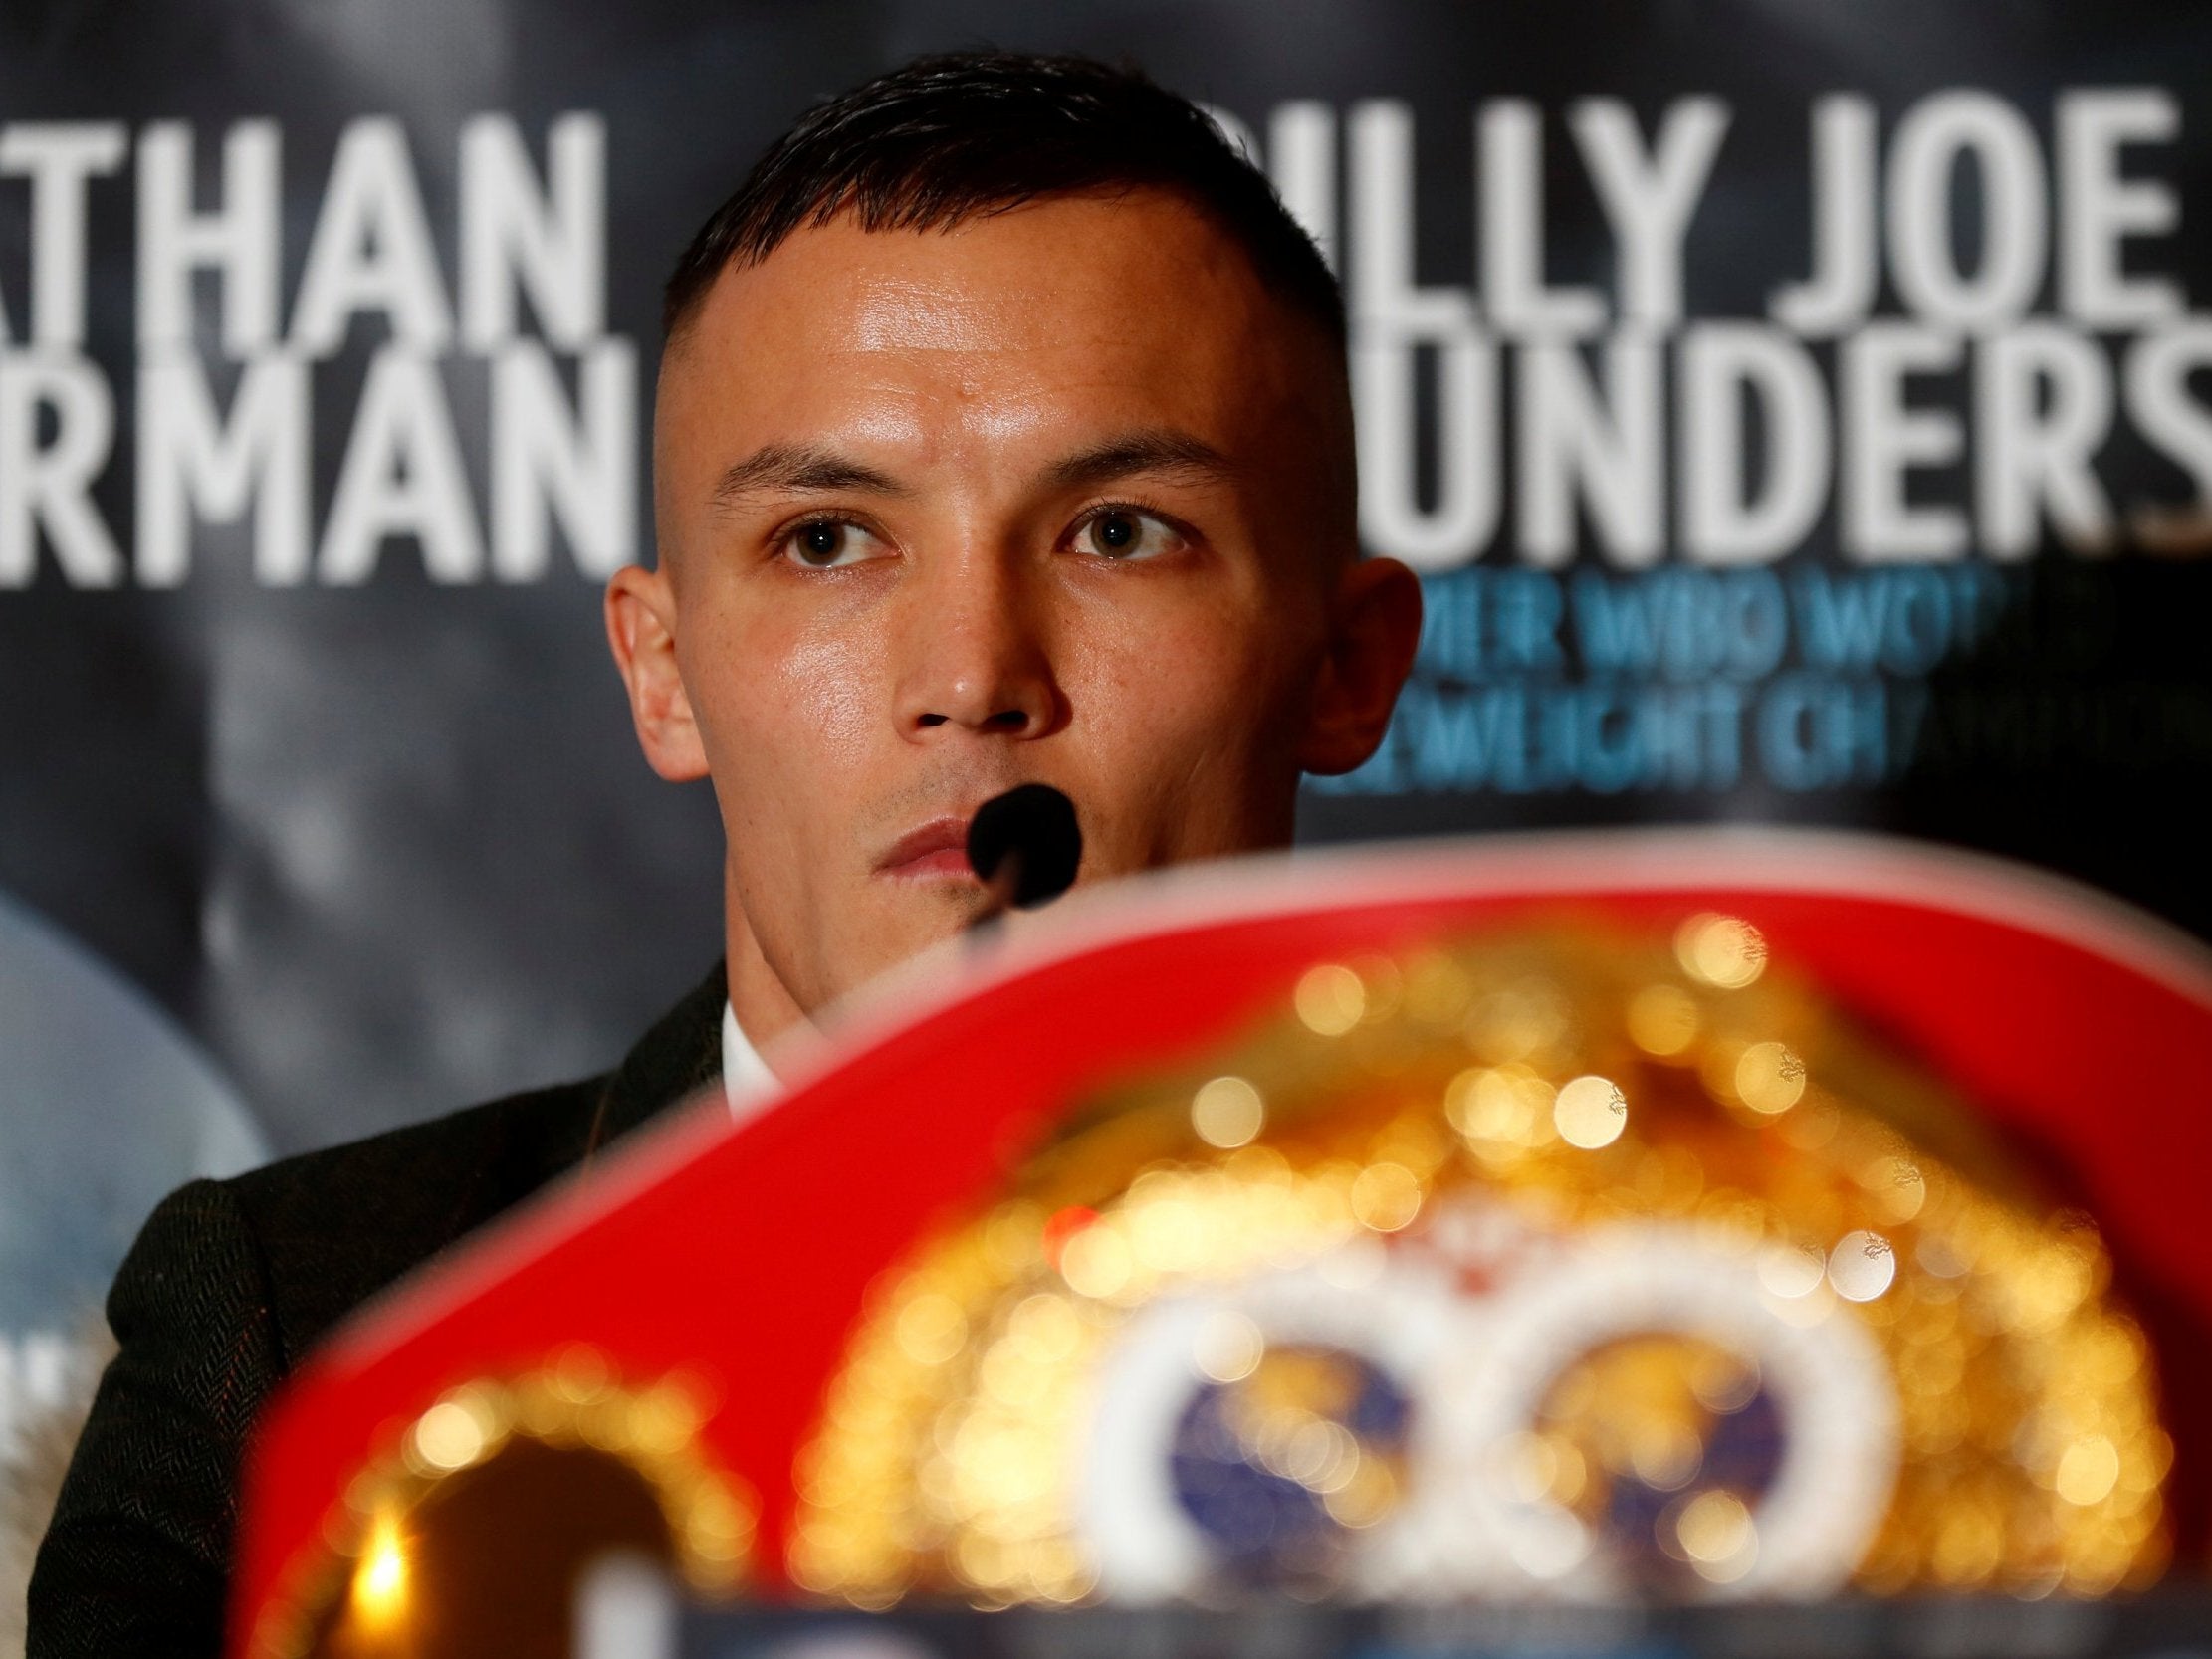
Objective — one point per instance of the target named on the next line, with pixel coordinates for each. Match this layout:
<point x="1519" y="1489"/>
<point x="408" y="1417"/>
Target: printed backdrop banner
<point x="1797" y="412"/>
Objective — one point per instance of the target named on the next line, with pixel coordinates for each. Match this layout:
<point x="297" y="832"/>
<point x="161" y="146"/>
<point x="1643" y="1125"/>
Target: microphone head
<point x="1035" y="825"/>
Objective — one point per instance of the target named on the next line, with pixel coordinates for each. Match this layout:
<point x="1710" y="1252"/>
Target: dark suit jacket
<point x="231" y="1282"/>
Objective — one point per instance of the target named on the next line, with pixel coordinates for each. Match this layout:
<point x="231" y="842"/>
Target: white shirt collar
<point x="747" y="1083"/>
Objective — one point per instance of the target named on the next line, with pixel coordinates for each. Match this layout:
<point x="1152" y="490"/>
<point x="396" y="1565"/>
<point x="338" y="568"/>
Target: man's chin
<point x="922" y="920"/>
<point x="916" y="912"/>
<point x="911" y="920"/>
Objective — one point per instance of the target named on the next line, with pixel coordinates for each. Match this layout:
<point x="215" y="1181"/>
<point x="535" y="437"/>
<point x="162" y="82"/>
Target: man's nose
<point x="976" y="659"/>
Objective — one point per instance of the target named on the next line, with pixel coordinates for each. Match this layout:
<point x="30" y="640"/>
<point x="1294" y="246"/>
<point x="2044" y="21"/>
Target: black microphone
<point x="1025" y="846"/>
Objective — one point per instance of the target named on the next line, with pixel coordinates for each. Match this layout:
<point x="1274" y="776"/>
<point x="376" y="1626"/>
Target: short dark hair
<point x="948" y="138"/>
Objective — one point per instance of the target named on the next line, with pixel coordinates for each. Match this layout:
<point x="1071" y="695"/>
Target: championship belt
<point x="1598" y="1218"/>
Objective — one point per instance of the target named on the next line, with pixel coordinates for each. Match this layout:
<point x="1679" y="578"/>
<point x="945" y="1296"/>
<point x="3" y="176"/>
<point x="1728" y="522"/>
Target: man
<point x="1003" y="436"/>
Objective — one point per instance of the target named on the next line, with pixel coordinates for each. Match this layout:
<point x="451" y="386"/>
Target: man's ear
<point x="641" y="628"/>
<point x="1374" y="627"/>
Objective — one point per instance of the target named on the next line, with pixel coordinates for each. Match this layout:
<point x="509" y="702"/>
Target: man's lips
<point x="936" y="850"/>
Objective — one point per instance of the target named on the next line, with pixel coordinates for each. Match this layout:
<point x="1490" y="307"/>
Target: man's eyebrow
<point x="1162" y="451"/>
<point x="789" y="467"/>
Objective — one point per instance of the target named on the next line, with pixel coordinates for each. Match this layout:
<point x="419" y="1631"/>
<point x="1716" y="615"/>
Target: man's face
<point x="1059" y="495"/>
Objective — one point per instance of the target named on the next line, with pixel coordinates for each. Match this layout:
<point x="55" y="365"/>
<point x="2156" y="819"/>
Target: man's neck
<point x="764" y="1004"/>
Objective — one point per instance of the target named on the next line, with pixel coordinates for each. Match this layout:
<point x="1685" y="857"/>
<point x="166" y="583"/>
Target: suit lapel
<point x="680" y="1055"/>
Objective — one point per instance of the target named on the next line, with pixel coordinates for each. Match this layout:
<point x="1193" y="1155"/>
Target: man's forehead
<point x="1092" y="284"/>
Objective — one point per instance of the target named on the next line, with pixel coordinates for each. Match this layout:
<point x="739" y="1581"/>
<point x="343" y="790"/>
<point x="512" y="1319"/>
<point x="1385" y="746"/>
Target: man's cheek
<point x="1155" y="668"/>
<point x="826" y="690"/>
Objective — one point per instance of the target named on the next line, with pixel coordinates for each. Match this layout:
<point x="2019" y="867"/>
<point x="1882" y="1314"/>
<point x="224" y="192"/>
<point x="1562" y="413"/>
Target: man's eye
<point x="1121" y="533"/>
<point x="826" y="543"/>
